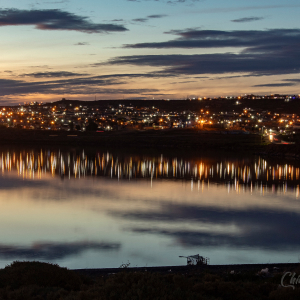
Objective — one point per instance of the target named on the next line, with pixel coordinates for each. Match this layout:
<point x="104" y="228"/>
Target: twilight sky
<point x="147" y="49"/>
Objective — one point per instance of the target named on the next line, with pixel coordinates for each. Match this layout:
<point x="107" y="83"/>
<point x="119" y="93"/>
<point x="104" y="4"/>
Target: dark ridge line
<point x="186" y="269"/>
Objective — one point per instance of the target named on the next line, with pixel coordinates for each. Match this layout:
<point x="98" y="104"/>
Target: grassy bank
<point x="172" y="141"/>
<point x="34" y="280"/>
<point x="181" y="139"/>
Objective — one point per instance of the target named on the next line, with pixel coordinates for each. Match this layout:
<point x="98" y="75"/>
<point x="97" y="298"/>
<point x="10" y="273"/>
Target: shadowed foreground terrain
<point x="158" y="139"/>
<point x="35" y="280"/>
<point x="176" y="141"/>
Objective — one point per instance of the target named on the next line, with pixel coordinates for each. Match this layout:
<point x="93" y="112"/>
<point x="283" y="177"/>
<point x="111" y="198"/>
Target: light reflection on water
<point x="149" y="210"/>
<point x="34" y="164"/>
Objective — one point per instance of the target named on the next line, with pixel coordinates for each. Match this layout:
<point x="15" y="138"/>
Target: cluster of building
<point x="74" y="115"/>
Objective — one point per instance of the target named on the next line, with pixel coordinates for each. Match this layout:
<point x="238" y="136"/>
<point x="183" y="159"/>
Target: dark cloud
<point x="54" y="19"/>
<point x="285" y="82"/>
<point x="42" y="67"/>
<point x="140" y="20"/>
<point x="57" y="2"/>
<point x="265" y="52"/>
<point x="246" y="8"/>
<point x="249" y="19"/>
<point x="254" y="40"/>
<point x="53" y="251"/>
<point x="143" y="20"/>
<point x="79" y="85"/>
<point x="274" y="84"/>
<point x="235" y="76"/>
<point x="81" y="44"/>
<point x="73" y="86"/>
<point x="52" y="74"/>
<point x="182" y="1"/>
<point x="156" y="16"/>
<point x="169" y="1"/>
<point x="257" y="228"/>
<point x="296" y="80"/>
<point x="181" y="82"/>
<point x="256" y="64"/>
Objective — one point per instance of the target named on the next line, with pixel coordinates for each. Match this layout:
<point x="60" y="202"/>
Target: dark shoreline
<point x="37" y="280"/>
<point x="185" y="141"/>
<point x="279" y="267"/>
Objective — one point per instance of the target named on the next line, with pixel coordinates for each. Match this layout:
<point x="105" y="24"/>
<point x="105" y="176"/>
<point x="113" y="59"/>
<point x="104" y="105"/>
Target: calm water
<point x="96" y="209"/>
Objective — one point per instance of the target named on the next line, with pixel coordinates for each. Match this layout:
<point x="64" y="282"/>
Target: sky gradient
<point x="147" y="49"/>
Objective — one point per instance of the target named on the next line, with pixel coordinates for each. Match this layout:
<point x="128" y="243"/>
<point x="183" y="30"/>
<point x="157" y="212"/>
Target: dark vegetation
<point x="177" y="138"/>
<point x="179" y="141"/>
<point x="35" y="280"/>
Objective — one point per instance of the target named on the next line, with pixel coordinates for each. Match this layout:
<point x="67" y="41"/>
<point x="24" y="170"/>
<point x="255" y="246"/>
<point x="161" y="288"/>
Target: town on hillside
<point x="267" y="115"/>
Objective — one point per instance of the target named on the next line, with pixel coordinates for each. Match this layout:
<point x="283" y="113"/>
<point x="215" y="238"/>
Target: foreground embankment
<point x="35" y="280"/>
<point x="175" y="140"/>
<point x="192" y="269"/>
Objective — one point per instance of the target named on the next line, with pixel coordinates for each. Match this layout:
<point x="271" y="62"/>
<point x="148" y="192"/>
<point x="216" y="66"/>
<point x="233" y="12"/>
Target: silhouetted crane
<point x="196" y="260"/>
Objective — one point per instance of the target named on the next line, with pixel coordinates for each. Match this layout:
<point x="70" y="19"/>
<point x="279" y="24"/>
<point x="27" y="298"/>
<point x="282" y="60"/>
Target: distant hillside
<point x="214" y="105"/>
